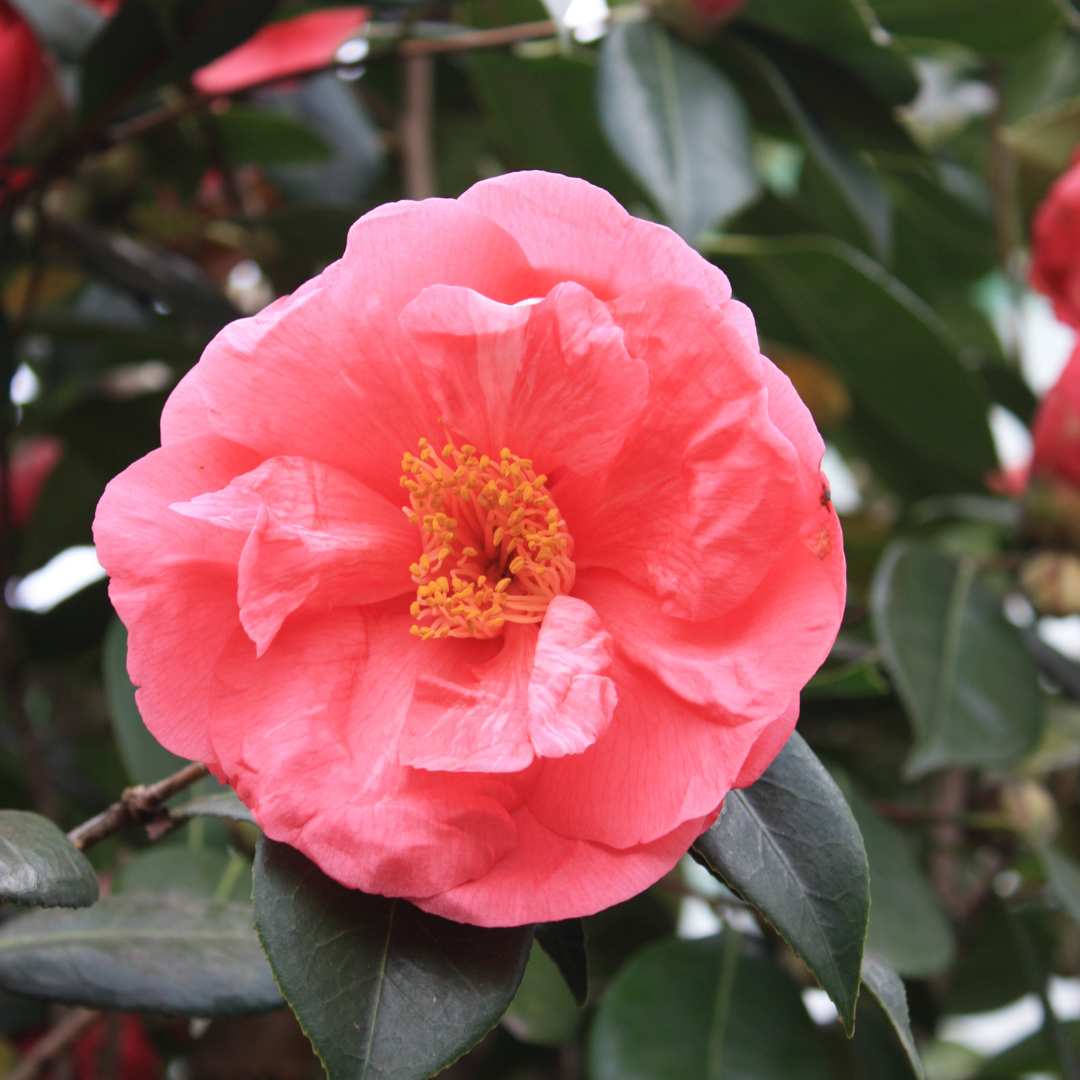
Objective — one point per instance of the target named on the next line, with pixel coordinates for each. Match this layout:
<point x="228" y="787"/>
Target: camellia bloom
<point x="1055" y="240"/>
<point x="22" y="71"/>
<point x="1056" y="428"/>
<point x="488" y="562"/>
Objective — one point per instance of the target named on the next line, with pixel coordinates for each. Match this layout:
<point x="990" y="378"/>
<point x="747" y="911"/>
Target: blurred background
<point x="867" y="173"/>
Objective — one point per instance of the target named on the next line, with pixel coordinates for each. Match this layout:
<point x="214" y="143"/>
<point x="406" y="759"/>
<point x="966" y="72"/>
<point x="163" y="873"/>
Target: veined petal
<point x="544" y="694"/>
<point x="551" y="379"/>
<point x="314" y="534"/>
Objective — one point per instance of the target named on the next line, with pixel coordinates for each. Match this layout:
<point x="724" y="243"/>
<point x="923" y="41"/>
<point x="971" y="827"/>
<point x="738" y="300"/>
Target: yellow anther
<point x="497" y="539"/>
<point x="517" y="565"/>
<point x="470" y="552"/>
<point x="503" y="585"/>
<point x="505" y="453"/>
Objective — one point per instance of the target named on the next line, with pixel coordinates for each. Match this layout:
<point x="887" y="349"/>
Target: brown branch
<point x="53" y="1043"/>
<point x="416" y="116"/>
<point x="138" y="806"/>
<point x="949" y="839"/>
<point x="478" y="39"/>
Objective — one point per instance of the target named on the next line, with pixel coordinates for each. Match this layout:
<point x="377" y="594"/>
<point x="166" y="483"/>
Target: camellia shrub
<point x="539" y="540"/>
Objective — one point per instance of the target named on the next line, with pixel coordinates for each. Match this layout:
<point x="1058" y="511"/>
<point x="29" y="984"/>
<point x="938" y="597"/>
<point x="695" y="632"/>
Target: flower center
<point x="495" y="548"/>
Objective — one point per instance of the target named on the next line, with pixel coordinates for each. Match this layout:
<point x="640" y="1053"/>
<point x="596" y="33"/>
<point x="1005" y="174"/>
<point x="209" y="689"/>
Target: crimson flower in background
<point x="717" y="9"/>
<point x="282" y="49"/>
<point x="30" y="466"/>
<point x="1056" y="428"/>
<point x="22" y="71"/>
<point x="1055" y="242"/>
<point x="522" y="698"/>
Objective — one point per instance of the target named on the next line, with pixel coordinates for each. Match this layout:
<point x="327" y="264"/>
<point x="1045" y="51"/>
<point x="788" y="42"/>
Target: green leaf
<point x="39" y="866"/>
<point x="847" y="31"/>
<point x="888" y="990"/>
<point x="677" y="124"/>
<point x="540" y="117"/>
<point x="227" y="805"/>
<point x="564" y="942"/>
<point x="672" y="1015"/>
<point x="168" y="954"/>
<point x="171" y="869"/>
<point x="967" y="682"/>
<point x="146" y="45"/>
<point x="356" y="968"/>
<point x="1063" y="875"/>
<point x="891" y="350"/>
<point x="790" y="846"/>
<point x="908" y="929"/>
<point x="856" y="182"/>
<point x="145" y="759"/>
<point x="990" y="26"/>
<point x="264" y="138"/>
<point x="543" y="1011"/>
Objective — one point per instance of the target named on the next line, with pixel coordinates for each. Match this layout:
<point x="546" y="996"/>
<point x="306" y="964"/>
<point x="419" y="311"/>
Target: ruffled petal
<point x="308" y="736"/>
<point x="702" y="495"/>
<point x="661" y="762"/>
<point x="546" y="877"/>
<point x="310" y="365"/>
<point x="550" y="380"/>
<point x="543" y="694"/>
<point x="748" y="663"/>
<point x="314" y="534"/>
<point x="572" y="231"/>
<point x="173" y="583"/>
<point x="769" y="743"/>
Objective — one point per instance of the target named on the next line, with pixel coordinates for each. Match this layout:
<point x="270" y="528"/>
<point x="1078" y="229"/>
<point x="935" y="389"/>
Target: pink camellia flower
<point x="488" y="562"/>
<point x="1055" y="240"/>
<point x="22" y="71"/>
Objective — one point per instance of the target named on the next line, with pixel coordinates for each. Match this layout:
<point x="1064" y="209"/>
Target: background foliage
<point x="865" y="171"/>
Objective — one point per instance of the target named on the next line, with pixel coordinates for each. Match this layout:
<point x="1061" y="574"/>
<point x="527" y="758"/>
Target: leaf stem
<point x="141" y="805"/>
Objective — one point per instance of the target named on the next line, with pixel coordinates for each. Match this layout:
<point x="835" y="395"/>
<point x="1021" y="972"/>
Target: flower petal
<point x="308" y="736"/>
<point x="185" y="414"/>
<point x="572" y="231"/>
<point x="173" y="583"/>
<point x="547" y="877"/>
<point x="543" y="694"/>
<point x="309" y="365"/>
<point x="314" y="534"/>
<point x="551" y="380"/>
<point x="659" y="763"/>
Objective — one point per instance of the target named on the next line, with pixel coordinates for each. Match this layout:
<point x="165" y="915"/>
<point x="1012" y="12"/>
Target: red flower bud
<point x="22" y="69"/>
<point x="1056" y="430"/>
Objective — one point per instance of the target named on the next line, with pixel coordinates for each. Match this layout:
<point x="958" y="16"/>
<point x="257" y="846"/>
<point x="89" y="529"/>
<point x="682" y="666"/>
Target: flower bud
<point x="22" y="70"/>
<point x="1031" y="811"/>
<point x="1051" y="581"/>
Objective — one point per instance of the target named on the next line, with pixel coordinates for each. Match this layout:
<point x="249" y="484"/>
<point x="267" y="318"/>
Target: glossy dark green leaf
<point x="564" y="942"/>
<point x="666" y="1017"/>
<point x="147" y="44"/>
<point x="888" y="990"/>
<point x="145" y="759"/>
<point x="1063" y="876"/>
<point x="848" y="32"/>
<point x="991" y="26"/>
<point x="180" y="870"/>
<point x="790" y="846"/>
<point x="168" y="954"/>
<point x="677" y="124"/>
<point x="538" y="113"/>
<point x="890" y="349"/>
<point x="856" y="182"/>
<point x="543" y="1011"/>
<point x="381" y="988"/>
<point x="226" y="805"/>
<point x="967" y="682"/>
<point x="908" y="930"/>
<point x="39" y="866"/>
<point x="264" y="138"/>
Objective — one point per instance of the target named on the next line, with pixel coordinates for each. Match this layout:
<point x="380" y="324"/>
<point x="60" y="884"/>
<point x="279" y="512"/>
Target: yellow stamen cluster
<point x="495" y="548"/>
